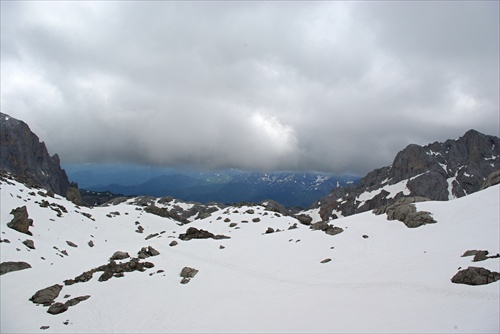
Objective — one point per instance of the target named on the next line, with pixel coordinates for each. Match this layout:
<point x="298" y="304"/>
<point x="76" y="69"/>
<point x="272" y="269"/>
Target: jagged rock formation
<point x="22" y="154"/>
<point x="21" y="222"/>
<point x="438" y="171"/>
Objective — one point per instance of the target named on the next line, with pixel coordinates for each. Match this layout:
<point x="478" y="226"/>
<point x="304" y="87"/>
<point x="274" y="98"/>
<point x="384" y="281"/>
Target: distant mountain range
<point x="226" y="186"/>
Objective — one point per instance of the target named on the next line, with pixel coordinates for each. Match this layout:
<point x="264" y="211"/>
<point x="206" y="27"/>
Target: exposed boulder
<point x="194" y="233"/>
<point x="187" y="273"/>
<point x="58" y="308"/>
<point x="147" y="252"/>
<point x="327" y="228"/>
<point x="475" y="276"/>
<point x="304" y="219"/>
<point x="119" y="255"/>
<point x="21" y="222"/>
<point x="46" y="296"/>
<point x="9" y="266"/>
<point x="73" y="195"/>
<point x="29" y="243"/>
<point x="405" y="211"/>
<point x="71" y="244"/>
<point x="274" y="206"/>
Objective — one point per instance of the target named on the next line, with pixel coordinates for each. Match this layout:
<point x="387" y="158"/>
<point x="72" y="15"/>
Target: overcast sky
<point x="325" y="86"/>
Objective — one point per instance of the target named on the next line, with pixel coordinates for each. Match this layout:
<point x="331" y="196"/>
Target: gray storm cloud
<point x="332" y="86"/>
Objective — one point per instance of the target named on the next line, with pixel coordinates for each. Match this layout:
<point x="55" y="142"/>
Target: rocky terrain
<point x="22" y="154"/>
<point x="408" y="263"/>
<point x="438" y="171"/>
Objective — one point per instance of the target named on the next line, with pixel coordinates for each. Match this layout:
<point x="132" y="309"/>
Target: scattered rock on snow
<point x="9" y="266"/>
<point x="119" y="255"/>
<point x="475" y="276"/>
<point x="326" y="260"/>
<point x="173" y="243"/>
<point x="187" y="273"/>
<point x="71" y="244"/>
<point x="20" y="222"/>
<point x="29" y="243"/>
<point x="46" y="296"/>
<point x="91" y="243"/>
<point x="147" y="252"/>
<point x="194" y="233"/>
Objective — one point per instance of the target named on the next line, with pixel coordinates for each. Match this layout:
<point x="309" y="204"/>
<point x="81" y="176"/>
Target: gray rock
<point x="269" y="230"/>
<point x="475" y="276"/>
<point x="91" y="243"/>
<point x="73" y="195"/>
<point x="22" y="154"/>
<point x="492" y="179"/>
<point x="71" y="244"/>
<point x="173" y="243"/>
<point x="304" y="219"/>
<point x="57" y="308"/>
<point x="147" y="252"/>
<point x="194" y="233"/>
<point x="46" y="296"/>
<point x="9" y="266"/>
<point x="119" y="255"/>
<point x="326" y="260"/>
<point x="256" y="219"/>
<point x="20" y="222"/>
<point x="188" y="272"/>
<point x="29" y="243"/>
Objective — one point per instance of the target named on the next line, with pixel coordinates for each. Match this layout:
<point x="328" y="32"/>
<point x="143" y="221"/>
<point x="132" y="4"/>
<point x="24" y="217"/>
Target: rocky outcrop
<point x="21" y="222"/>
<point x="187" y="273"/>
<point x="46" y="296"/>
<point x="22" y="154"/>
<point x="475" y="276"/>
<point x="58" y="308"/>
<point x="405" y="211"/>
<point x="438" y="171"/>
<point x="9" y="266"/>
<point x="194" y="233"/>
<point x="492" y="179"/>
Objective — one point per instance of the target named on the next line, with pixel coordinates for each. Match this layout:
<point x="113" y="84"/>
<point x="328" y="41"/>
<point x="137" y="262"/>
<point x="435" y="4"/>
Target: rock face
<point x="21" y="222"/>
<point x="475" y="276"/>
<point x="22" y="154"/>
<point x="438" y="171"/>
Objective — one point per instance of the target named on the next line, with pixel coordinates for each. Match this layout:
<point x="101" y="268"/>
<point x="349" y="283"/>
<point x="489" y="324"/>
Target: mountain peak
<point x="22" y="154"/>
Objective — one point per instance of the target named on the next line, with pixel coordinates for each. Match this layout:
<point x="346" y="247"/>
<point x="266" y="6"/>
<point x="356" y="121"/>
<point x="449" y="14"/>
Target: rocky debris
<point x="140" y="229"/>
<point x="119" y="255"/>
<point x="221" y="247"/>
<point x="147" y="252"/>
<point x="29" y="243"/>
<point x="71" y="244"/>
<point x="73" y="195"/>
<point x="492" y="179"/>
<point x="7" y="241"/>
<point x="475" y="276"/>
<point x="365" y="236"/>
<point x="326" y="260"/>
<point x="292" y="227"/>
<point x="405" y="211"/>
<point x="304" y="219"/>
<point x="227" y="220"/>
<point x="46" y="296"/>
<point x="163" y="212"/>
<point x="20" y="222"/>
<point x="173" y="243"/>
<point x="269" y="230"/>
<point x="58" y="308"/>
<point x="250" y="211"/>
<point x="187" y="273"/>
<point x="327" y="228"/>
<point x="22" y="154"/>
<point x="111" y="269"/>
<point x="152" y="235"/>
<point x="274" y="206"/>
<point x="194" y="233"/>
<point x="479" y="255"/>
<point x="44" y="327"/>
<point x="90" y="243"/>
<point x="256" y="219"/>
<point x="233" y="224"/>
<point x="9" y="266"/>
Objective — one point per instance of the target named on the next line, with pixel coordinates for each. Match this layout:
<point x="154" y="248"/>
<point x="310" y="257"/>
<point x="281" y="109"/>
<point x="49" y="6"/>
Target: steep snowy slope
<point x="381" y="277"/>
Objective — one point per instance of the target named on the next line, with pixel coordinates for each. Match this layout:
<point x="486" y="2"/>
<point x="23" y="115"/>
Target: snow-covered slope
<point x="382" y="277"/>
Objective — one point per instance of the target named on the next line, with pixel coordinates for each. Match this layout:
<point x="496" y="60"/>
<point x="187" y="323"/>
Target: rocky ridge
<point x="22" y="154"/>
<point x="437" y="171"/>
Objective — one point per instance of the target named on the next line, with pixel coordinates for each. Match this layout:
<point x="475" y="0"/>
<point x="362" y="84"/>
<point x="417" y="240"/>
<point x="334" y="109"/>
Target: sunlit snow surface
<point x="396" y="280"/>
